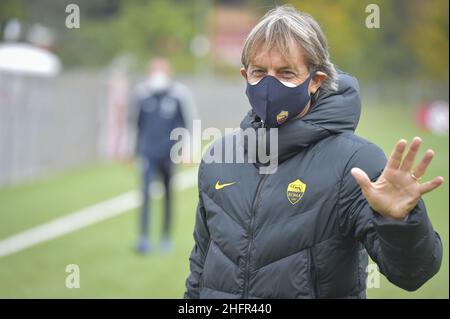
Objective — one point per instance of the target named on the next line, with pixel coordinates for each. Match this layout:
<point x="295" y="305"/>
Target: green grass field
<point x="109" y="268"/>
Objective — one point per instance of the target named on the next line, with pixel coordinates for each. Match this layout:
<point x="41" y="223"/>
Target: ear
<point x="244" y="73"/>
<point x="316" y="81"/>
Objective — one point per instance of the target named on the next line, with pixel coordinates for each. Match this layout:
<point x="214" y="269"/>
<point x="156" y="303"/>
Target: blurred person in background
<point x="161" y="105"/>
<point x="306" y="229"/>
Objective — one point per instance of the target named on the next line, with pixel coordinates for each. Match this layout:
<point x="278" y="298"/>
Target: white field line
<point x="87" y="216"/>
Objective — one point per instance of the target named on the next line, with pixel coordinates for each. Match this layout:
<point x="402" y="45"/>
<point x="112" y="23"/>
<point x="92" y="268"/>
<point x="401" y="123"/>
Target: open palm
<point x="396" y="192"/>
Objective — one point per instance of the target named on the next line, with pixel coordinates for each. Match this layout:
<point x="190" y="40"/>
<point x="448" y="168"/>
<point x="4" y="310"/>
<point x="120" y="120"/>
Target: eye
<point x="257" y="72"/>
<point x="287" y="74"/>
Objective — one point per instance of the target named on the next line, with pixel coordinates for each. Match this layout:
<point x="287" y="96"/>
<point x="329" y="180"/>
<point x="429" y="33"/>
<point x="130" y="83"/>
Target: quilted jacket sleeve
<point x="407" y="252"/>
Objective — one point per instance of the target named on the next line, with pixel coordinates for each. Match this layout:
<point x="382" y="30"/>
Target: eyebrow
<point x="287" y="68"/>
<point x="257" y="66"/>
<point x="279" y="69"/>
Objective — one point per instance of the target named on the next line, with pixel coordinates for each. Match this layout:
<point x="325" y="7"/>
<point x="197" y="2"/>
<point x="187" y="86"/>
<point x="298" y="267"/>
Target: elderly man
<point x="305" y="231"/>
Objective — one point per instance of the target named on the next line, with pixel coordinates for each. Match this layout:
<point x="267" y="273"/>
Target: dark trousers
<point x="150" y="170"/>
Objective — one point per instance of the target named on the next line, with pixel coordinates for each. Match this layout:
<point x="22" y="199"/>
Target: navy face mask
<point x="276" y="103"/>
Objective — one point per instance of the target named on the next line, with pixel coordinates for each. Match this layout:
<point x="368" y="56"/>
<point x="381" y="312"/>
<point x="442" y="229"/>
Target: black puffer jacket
<point x="304" y="232"/>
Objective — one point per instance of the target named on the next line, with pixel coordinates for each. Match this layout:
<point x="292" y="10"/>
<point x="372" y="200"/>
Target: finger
<point x="420" y="170"/>
<point x="361" y="178"/>
<point x="411" y="155"/>
<point x="429" y="186"/>
<point x="396" y="156"/>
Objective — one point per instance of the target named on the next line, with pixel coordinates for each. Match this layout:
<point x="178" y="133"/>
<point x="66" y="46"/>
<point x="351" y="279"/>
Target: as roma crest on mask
<point x="295" y="191"/>
<point x="282" y="116"/>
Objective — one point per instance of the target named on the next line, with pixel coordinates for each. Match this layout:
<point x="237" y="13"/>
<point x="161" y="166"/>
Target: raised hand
<point x="397" y="190"/>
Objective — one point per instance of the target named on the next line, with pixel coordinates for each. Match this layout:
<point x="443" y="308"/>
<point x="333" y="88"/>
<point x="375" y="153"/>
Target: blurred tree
<point x="428" y="37"/>
<point x="411" y="42"/>
<point x="412" y="39"/>
<point x="142" y="28"/>
<point x="157" y="27"/>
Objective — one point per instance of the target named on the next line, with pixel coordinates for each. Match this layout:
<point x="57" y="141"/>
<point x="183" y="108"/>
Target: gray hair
<point x="279" y="27"/>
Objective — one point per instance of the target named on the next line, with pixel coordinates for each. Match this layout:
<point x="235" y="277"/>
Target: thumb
<point x="361" y="178"/>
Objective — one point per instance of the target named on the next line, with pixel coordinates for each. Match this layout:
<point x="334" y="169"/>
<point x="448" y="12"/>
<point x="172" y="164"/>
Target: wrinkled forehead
<point x="277" y="54"/>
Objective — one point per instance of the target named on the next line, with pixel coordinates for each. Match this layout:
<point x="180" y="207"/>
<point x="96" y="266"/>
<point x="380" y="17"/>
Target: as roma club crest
<point x="282" y="116"/>
<point x="295" y="191"/>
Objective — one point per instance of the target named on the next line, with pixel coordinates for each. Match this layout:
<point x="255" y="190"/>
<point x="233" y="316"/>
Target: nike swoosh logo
<point x="220" y="186"/>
